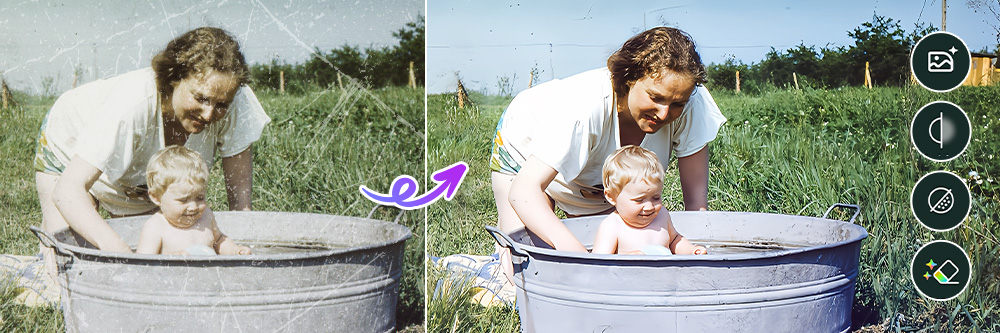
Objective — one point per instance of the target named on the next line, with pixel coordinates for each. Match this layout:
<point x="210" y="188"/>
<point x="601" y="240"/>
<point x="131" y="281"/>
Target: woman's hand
<point x="698" y="249"/>
<point x="74" y="202"/>
<point x="528" y="198"/>
<point x="238" y="171"/>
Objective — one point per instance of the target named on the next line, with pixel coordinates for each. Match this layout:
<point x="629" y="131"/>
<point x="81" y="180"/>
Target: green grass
<point x="19" y="209"/>
<point x="788" y="152"/>
<point x="456" y="226"/>
<point x="319" y="147"/>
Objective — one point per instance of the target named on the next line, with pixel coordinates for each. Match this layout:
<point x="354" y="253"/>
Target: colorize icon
<point x="941" y="131"/>
<point x="940" y="270"/>
<point x="940" y="200"/>
<point x="940" y="61"/>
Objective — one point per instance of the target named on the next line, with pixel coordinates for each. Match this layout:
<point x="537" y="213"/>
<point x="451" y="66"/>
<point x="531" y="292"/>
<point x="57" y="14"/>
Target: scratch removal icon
<point x="940" y="275"/>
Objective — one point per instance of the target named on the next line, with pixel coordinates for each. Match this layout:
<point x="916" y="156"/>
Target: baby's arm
<point x="681" y="245"/>
<point x="606" y="241"/>
<point x="223" y="244"/>
<point x="150" y="240"/>
<point x="227" y="246"/>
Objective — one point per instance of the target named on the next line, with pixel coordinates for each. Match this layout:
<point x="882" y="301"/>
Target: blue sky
<point x="485" y="40"/>
<point x="42" y="39"/>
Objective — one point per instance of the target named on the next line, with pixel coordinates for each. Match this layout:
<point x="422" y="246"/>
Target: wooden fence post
<point x="75" y="75"/>
<point x="868" y="77"/>
<point x="737" y="82"/>
<point x="796" y="79"/>
<point x="340" y="83"/>
<point x="281" y="82"/>
<point x="461" y="95"/>
<point x="5" y="95"/>
<point x="531" y="79"/>
<point x="413" y="77"/>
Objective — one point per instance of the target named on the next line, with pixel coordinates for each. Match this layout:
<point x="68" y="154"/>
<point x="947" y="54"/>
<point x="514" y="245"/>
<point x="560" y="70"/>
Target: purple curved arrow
<point x="404" y="187"/>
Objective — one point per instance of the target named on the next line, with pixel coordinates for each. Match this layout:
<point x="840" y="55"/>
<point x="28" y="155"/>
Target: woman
<point x="553" y="139"/>
<point x="96" y="140"/>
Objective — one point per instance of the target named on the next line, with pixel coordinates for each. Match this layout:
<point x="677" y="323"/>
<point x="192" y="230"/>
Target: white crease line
<point x="22" y="64"/>
<point x="61" y="50"/>
<point x="249" y="23"/>
<point x="124" y="31"/>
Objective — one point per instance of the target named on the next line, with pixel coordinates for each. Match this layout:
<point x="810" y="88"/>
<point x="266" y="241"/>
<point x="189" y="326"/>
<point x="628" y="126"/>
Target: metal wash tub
<point x="308" y="273"/>
<point x="764" y="273"/>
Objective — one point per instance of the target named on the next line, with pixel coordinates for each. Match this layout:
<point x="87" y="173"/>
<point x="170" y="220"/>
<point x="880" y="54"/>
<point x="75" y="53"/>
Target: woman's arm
<point x="693" y="170"/>
<point x="238" y="170"/>
<point x="528" y="198"/>
<point x="77" y="206"/>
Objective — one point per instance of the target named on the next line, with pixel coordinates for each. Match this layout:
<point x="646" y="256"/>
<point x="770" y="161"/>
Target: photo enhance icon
<point x="941" y="131"/>
<point x="940" y="61"/>
<point x="940" y="270"/>
<point x="940" y="200"/>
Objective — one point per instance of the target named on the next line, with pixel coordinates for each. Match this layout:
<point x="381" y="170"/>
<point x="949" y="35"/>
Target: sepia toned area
<point x="342" y="83"/>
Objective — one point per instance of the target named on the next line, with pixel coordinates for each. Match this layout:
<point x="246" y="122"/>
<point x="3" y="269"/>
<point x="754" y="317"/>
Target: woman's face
<point x="653" y="103"/>
<point x="199" y="100"/>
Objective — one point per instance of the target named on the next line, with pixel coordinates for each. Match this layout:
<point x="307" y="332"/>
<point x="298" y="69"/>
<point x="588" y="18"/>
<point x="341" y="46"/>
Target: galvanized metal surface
<point x="804" y="288"/>
<point x="343" y="277"/>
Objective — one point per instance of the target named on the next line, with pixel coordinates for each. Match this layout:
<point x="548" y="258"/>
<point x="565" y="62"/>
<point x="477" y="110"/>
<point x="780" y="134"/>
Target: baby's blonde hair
<point x="628" y="164"/>
<point x="174" y="164"/>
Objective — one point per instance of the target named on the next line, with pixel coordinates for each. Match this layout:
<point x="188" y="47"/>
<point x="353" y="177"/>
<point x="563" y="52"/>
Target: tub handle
<point x="396" y="220"/>
<point x="857" y="210"/>
<point x="504" y="240"/>
<point x="49" y="241"/>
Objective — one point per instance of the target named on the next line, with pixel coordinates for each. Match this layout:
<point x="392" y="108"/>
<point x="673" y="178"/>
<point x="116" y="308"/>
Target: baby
<point x="633" y="183"/>
<point x="176" y="177"/>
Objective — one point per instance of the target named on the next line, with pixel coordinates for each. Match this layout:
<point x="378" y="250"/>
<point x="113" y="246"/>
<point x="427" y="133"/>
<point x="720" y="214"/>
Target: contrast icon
<point x="940" y="61"/>
<point x="940" y="270"/>
<point x="940" y="201"/>
<point x="939" y="138"/>
<point x="940" y="131"/>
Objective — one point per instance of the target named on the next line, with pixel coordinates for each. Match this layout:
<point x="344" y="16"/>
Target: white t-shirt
<point x="116" y="125"/>
<point x="571" y="125"/>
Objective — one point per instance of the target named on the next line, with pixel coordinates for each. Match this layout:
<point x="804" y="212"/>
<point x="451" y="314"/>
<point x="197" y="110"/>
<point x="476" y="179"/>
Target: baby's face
<point x="183" y="203"/>
<point x="638" y="203"/>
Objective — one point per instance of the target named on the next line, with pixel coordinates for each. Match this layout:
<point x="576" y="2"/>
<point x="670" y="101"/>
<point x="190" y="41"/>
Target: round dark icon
<point x="940" y="200"/>
<point x="940" y="61"/>
<point x="940" y="270"/>
<point x="940" y="131"/>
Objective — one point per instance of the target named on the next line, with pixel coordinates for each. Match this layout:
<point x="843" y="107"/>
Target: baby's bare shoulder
<point x="612" y="220"/>
<point x="155" y="221"/>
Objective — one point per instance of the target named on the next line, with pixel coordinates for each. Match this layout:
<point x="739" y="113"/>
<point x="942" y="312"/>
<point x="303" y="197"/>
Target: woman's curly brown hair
<point x="196" y="52"/>
<point x="652" y="52"/>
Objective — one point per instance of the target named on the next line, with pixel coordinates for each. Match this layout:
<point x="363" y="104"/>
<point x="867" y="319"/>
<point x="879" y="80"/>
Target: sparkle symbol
<point x="927" y="276"/>
<point x="931" y="264"/>
<point x="952" y="50"/>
